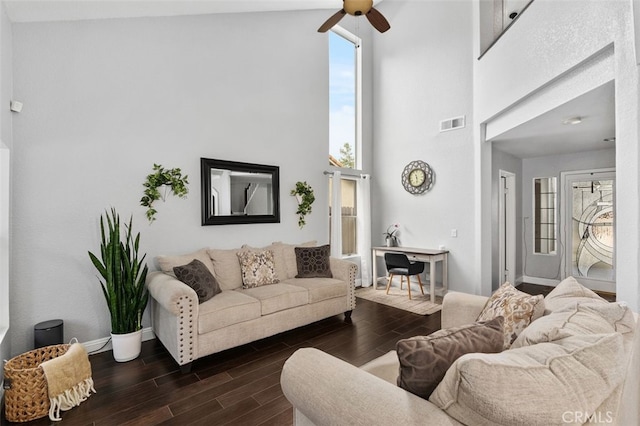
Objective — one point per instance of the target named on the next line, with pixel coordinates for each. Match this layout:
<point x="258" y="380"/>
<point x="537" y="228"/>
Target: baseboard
<point x="540" y="281"/>
<point x="104" y="344"/>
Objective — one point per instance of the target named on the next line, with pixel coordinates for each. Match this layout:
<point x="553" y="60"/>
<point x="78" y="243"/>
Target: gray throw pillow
<point x="424" y="360"/>
<point x="196" y="275"/>
<point x="313" y="262"/>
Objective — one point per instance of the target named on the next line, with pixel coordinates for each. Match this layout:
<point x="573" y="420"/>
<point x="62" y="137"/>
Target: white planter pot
<point x="126" y="346"/>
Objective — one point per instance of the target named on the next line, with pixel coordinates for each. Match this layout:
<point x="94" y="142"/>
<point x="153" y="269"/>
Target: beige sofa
<point x="575" y="385"/>
<point x="237" y="316"/>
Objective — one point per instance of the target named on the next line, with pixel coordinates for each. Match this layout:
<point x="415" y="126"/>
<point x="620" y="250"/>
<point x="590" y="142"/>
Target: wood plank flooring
<point x="239" y="386"/>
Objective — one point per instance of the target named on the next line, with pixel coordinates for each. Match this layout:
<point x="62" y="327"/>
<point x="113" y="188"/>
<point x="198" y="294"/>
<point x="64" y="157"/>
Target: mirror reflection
<point x="234" y="192"/>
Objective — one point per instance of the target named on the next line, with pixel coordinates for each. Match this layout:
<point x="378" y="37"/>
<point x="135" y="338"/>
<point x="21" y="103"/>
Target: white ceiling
<point x="65" y="10"/>
<point x="547" y="135"/>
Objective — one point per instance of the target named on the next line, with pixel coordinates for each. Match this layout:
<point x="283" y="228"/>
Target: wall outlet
<point x="454" y="233"/>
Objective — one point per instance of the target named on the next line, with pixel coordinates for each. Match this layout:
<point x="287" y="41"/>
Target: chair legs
<point x="389" y="282"/>
<point x="408" y="283"/>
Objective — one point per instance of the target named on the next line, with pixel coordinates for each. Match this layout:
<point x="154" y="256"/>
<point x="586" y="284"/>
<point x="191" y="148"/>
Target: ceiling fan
<point x="357" y="8"/>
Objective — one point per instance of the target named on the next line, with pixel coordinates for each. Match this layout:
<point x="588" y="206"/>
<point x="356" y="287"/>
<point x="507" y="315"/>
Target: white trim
<point x="540" y="281"/>
<point x="507" y="226"/>
<point x="104" y="344"/>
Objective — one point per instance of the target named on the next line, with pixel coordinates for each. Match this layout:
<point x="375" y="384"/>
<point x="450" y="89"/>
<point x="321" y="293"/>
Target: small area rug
<point x="397" y="298"/>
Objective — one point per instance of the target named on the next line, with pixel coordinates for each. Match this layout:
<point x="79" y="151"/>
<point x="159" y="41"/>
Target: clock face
<point x="417" y="177"/>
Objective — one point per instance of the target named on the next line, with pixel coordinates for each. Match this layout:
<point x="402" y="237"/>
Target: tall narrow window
<point x="349" y="215"/>
<point x="344" y="99"/>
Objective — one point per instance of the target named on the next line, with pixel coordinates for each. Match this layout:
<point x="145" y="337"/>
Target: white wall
<point x="533" y="56"/>
<point x="547" y="266"/>
<point x="104" y="100"/>
<point x="6" y="140"/>
<point x="423" y="74"/>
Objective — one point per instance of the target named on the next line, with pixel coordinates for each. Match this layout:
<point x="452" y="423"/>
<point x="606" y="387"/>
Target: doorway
<point x="507" y="227"/>
<point x="589" y="227"/>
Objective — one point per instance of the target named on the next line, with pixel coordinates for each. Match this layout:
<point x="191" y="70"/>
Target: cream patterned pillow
<point x="257" y="268"/>
<point x="519" y="309"/>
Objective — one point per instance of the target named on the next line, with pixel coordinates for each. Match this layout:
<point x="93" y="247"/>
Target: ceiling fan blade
<point x="378" y="21"/>
<point x="335" y="18"/>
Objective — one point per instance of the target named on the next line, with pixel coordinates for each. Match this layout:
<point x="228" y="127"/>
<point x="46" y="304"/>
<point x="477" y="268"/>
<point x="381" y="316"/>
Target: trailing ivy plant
<point x="171" y="179"/>
<point x="304" y="193"/>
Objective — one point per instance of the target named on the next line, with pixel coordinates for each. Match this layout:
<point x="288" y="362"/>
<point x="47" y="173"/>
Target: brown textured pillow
<point x="424" y="360"/>
<point x="519" y="309"/>
<point x="196" y="275"/>
<point x="313" y="262"/>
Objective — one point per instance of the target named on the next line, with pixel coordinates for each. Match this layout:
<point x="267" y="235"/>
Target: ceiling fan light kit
<point x="357" y="8"/>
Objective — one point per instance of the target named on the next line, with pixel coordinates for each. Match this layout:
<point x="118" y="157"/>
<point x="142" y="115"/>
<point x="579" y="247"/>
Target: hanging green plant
<point x="304" y="194"/>
<point x="171" y="179"/>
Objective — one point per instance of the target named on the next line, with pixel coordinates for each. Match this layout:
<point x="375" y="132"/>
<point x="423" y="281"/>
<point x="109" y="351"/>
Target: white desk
<point x="422" y="255"/>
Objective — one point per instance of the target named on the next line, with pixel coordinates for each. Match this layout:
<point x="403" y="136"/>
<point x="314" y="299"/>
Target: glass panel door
<point x="592" y="230"/>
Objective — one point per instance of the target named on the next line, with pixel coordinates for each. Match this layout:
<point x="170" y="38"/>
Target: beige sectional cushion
<point x="569" y="292"/>
<point x="257" y="268"/>
<point x="277" y="297"/>
<point x="226" y="268"/>
<point x="167" y="263"/>
<point x="321" y="288"/>
<point x="533" y="385"/>
<point x="424" y="360"/>
<point x="576" y="319"/>
<point x="517" y="308"/>
<point x="287" y="251"/>
<point x="227" y="308"/>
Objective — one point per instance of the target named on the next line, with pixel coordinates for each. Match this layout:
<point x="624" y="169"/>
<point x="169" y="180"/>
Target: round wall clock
<point x="417" y="177"/>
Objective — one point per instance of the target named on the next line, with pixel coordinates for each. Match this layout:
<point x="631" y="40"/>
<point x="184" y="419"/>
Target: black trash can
<point x="48" y="333"/>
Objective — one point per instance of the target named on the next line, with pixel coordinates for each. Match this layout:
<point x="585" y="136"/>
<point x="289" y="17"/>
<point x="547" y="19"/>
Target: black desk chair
<point x="399" y="264"/>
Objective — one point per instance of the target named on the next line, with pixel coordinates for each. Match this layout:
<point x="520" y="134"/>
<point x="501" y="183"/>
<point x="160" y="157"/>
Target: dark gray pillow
<point x="198" y="277"/>
<point x="424" y="360"/>
<point x="313" y="262"/>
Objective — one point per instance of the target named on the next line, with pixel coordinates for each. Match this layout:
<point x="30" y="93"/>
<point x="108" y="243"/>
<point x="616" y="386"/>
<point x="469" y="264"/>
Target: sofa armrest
<point x="174" y="315"/>
<point x="461" y="308"/>
<point x="346" y="271"/>
<point x="328" y="391"/>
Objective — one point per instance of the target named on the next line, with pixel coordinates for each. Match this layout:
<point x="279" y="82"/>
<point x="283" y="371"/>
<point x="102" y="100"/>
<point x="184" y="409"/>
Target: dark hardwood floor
<point x="239" y="386"/>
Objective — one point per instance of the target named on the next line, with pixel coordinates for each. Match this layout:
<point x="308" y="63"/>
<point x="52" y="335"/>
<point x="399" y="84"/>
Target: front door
<point x="589" y="228"/>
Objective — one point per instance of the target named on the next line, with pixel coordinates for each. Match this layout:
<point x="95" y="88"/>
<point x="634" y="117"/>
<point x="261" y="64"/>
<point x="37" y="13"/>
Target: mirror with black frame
<point x="234" y="192"/>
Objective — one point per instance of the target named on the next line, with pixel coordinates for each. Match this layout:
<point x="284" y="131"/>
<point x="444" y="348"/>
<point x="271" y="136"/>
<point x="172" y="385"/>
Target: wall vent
<point x="452" y="123"/>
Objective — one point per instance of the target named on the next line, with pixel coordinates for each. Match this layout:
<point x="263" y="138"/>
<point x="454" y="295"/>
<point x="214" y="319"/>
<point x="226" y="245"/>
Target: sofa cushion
<point x="227" y="308"/>
<point x="287" y="251"/>
<point x="313" y="262"/>
<point x="576" y="319"/>
<point x="424" y="360"/>
<point x="226" y="268"/>
<point x="533" y="385"/>
<point x="196" y="275"/>
<point x="279" y="261"/>
<point x="568" y="292"/>
<point x="277" y="297"/>
<point x="518" y="309"/>
<point x="167" y="263"/>
<point x="257" y="268"/>
<point x="321" y="288"/>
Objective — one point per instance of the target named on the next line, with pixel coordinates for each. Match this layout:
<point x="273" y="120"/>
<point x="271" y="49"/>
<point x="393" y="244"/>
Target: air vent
<point x="452" y="124"/>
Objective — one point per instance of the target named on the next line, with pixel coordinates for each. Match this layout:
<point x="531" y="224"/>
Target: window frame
<point x="357" y="42"/>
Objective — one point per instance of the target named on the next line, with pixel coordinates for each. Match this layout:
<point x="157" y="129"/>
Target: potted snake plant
<point x="123" y="273"/>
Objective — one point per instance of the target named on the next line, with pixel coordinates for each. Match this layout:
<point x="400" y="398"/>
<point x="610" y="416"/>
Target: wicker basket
<point x="26" y="395"/>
